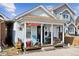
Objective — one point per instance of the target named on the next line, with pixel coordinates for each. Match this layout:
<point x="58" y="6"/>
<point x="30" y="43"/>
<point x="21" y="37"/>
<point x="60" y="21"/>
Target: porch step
<point x="48" y="48"/>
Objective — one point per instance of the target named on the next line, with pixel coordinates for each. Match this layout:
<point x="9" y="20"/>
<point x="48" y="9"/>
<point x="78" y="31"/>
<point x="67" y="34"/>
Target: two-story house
<point x="77" y="25"/>
<point x="64" y="12"/>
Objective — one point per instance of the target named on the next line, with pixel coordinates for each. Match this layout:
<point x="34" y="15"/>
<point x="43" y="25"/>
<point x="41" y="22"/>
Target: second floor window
<point x="65" y="16"/>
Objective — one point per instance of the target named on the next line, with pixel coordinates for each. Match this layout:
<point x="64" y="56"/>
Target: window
<point x="28" y="32"/>
<point x="46" y="33"/>
<point x="71" y="29"/>
<point x="65" y="16"/>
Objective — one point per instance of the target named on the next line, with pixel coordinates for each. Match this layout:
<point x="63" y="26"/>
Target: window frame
<point x="28" y="32"/>
<point x="66" y="16"/>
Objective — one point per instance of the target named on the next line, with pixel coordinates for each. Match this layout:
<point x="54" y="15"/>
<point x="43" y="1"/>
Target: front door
<point x="46" y="34"/>
<point x="57" y="34"/>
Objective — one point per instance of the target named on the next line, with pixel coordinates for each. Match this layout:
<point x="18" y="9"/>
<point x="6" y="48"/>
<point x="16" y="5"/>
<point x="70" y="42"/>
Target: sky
<point x="11" y="10"/>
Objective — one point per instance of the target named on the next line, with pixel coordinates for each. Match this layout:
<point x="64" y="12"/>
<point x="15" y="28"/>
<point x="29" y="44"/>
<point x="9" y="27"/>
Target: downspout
<point x="1" y="39"/>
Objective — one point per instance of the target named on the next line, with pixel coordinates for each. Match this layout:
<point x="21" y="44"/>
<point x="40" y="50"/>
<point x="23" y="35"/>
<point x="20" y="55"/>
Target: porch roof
<point x="35" y="18"/>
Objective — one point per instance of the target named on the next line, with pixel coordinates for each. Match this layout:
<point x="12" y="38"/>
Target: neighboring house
<point x="2" y="30"/>
<point x="64" y="12"/>
<point x="5" y="28"/>
<point x="77" y="25"/>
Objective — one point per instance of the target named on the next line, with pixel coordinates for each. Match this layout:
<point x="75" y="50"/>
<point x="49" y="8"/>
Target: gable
<point x="71" y="24"/>
<point x="62" y="8"/>
<point x="39" y="12"/>
<point x="66" y="12"/>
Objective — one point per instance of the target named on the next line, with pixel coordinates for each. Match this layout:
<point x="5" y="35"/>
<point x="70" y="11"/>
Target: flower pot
<point x="28" y="44"/>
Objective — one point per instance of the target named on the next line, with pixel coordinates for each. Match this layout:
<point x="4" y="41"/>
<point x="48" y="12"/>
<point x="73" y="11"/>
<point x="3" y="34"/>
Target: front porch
<point x="43" y="34"/>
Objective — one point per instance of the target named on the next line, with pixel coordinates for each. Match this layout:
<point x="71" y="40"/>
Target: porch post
<point x="25" y="35"/>
<point x="41" y="34"/>
<point x="51" y="34"/>
<point x="63" y="35"/>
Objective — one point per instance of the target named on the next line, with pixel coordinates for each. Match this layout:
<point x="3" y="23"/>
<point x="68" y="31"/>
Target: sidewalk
<point x="73" y="51"/>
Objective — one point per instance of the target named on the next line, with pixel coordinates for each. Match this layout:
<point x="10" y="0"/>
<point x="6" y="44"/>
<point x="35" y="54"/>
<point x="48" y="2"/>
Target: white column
<point x="41" y="34"/>
<point x="63" y="35"/>
<point x="24" y="35"/>
<point x="51" y="34"/>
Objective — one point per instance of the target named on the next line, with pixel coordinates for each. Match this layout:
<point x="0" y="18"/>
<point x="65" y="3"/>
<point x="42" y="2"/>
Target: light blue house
<point x="44" y="26"/>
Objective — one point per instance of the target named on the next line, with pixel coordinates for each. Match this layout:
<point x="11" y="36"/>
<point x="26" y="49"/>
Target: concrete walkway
<point x="73" y="51"/>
